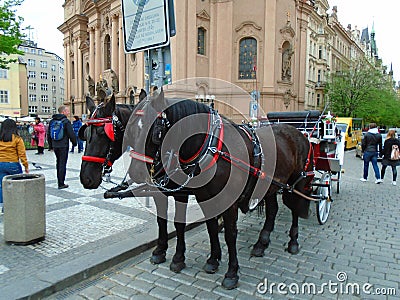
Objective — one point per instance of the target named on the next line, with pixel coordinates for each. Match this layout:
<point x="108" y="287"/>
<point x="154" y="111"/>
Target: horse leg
<point x="212" y="263"/>
<point x="271" y="209"/>
<point x="293" y="245"/>
<point x="159" y="253"/>
<point x="178" y="260"/>
<point x="230" y="223"/>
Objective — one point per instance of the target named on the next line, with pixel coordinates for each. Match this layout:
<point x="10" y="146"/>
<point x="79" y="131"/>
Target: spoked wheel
<point x="324" y="205"/>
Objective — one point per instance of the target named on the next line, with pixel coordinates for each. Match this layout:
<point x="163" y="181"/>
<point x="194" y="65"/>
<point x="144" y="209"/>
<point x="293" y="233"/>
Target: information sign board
<point x="146" y="24"/>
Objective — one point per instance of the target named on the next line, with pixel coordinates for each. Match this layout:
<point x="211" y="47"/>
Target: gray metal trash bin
<point x="24" y="208"/>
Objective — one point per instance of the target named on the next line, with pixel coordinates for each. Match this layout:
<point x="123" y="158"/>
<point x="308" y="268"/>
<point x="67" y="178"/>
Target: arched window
<point x="247" y="58"/>
<point x="107" y="52"/>
<point x="201" y="41"/>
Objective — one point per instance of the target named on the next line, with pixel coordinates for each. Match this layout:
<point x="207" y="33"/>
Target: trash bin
<point x="24" y="208"/>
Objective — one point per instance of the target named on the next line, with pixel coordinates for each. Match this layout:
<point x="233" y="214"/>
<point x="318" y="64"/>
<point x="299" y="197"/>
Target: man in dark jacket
<point x="61" y="146"/>
<point x="371" y="145"/>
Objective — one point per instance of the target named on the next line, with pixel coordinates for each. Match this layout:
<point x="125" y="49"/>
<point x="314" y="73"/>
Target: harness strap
<point x="95" y="159"/>
<point x="308" y="161"/>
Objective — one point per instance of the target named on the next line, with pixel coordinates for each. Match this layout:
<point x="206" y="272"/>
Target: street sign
<point x="146" y="24"/>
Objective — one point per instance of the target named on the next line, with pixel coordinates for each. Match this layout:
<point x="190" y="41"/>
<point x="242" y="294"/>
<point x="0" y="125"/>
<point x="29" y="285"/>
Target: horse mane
<point x="179" y="108"/>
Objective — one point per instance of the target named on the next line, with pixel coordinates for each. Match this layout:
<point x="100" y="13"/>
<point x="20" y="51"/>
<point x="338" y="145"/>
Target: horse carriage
<point x="181" y="147"/>
<point x="328" y="152"/>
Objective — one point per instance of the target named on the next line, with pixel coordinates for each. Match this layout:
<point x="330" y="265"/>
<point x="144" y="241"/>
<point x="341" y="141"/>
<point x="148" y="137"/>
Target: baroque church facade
<point x="282" y="49"/>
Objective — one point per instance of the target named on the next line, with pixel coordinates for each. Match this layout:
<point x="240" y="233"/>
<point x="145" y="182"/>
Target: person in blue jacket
<point x="76" y="125"/>
<point x="61" y="146"/>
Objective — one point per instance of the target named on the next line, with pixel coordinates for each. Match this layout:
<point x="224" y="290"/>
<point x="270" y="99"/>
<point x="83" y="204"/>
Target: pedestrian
<point x="390" y="141"/>
<point x="76" y="125"/>
<point x="59" y="134"/>
<point x="38" y="136"/>
<point x="371" y="146"/>
<point x="12" y="152"/>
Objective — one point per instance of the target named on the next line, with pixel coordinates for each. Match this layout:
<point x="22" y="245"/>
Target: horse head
<point x="103" y="133"/>
<point x="165" y="134"/>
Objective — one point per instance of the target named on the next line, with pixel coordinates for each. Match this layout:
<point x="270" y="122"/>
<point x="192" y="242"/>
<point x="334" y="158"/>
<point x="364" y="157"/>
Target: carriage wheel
<point x="324" y="206"/>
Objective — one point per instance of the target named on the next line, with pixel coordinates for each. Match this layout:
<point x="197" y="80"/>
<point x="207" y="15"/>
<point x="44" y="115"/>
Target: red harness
<point x="109" y="130"/>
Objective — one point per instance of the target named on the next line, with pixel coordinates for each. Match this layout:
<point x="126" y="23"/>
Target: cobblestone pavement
<point x="84" y="233"/>
<point x="355" y="255"/>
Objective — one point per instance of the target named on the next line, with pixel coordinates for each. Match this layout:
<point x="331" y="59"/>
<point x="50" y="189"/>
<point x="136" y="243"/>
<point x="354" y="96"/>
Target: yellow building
<point x="13" y="89"/>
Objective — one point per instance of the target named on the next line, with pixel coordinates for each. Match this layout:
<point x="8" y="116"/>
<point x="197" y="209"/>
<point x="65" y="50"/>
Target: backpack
<point x="395" y="155"/>
<point x="57" y="130"/>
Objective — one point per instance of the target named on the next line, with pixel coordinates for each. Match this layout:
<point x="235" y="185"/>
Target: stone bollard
<point x="24" y="208"/>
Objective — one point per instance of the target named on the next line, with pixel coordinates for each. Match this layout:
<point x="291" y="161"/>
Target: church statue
<point x="287" y="63"/>
<point x="90" y="85"/>
<point x="114" y="82"/>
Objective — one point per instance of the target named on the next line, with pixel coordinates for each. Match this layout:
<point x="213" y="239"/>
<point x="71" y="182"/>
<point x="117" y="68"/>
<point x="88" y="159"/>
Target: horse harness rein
<point x="111" y="125"/>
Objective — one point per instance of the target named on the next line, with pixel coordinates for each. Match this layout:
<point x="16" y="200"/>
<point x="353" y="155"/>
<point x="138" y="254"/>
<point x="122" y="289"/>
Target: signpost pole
<point x="147" y="71"/>
<point x="161" y="64"/>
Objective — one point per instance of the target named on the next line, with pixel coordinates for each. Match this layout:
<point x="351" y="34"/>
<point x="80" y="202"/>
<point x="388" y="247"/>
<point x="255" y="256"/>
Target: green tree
<point x="353" y="87"/>
<point x="10" y="32"/>
<point x="361" y="90"/>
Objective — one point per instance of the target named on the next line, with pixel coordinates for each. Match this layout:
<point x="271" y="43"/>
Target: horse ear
<point x="90" y="104"/>
<point x="142" y="95"/>
<point x="110" y="106"/>
<point x="159" y="102"/>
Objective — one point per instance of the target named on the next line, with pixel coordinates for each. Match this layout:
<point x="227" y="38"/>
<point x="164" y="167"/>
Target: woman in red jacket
<point x="38" y="135"/>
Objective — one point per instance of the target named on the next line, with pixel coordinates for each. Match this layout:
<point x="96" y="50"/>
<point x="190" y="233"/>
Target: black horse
<point x="103" y="134"/>
<point x="181" y="146"/>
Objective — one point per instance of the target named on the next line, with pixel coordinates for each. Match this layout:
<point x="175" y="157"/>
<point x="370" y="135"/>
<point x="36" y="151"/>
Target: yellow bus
<point x="352" y="128"/>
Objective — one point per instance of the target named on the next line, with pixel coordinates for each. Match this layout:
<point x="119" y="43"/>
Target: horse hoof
<point x="257" y="252"/>
<point x="210" y="268"/>
<point x="230" y="283"/>
<point x="177" y="267"/>
<point x="158" y="259"/>
<point x="293" y="248"/>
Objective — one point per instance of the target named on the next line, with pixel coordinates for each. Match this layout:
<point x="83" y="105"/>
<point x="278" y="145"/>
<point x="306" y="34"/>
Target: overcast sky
<point x="46" y="15"/>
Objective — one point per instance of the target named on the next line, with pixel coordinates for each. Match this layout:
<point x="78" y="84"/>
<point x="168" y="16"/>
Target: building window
<point x="53" y="67"/>
<point x="32" y="97"/>
<point x="43" y="75"/>
<point x="32" y="74"/>
<point x="53" y="78"/>
<point x="32" y="109"/>
<point x="43" y="87"/>
<point x="53" y="89"/>
<point x="46" y="109"/>
<point x="320" y="52"/>
<point x="44" y="98"/>
<point x="33" y="51"/>
<point x="318" y="99"/>
<point x="32" y="86"/>
<point x="54" y="100"/>
<point x="3" y="97"/>
<point x="3" y="74"/>
<point x="31" y="62"/>
<point x="247" y="58"/>
<point x="201" y="41"/>
<point x="107" y="52"/>
<point x="72" y="70"/>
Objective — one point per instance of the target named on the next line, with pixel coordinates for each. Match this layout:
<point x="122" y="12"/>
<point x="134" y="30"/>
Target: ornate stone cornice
<point x="247" y="23"/>
<point x="288" y="30"/>
<point x="203" y="15"/>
